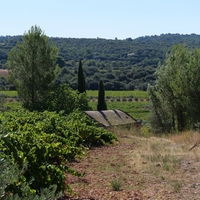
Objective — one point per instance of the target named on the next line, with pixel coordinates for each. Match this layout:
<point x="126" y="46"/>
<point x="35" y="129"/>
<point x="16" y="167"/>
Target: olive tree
<point x="32" y="68"/>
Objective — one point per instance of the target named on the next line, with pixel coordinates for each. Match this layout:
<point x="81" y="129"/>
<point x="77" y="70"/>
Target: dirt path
<point x="140" y="168"/>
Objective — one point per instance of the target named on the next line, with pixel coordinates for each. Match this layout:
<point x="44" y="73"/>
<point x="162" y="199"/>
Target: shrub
<point x="87" y="130"/>
<point x="9" y="173"/>
<point x="46" y="141"/>
<point x="63" y="98"/>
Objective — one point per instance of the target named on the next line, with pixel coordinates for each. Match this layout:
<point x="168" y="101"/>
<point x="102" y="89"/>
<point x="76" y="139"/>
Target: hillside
<point x="121" y="64"/>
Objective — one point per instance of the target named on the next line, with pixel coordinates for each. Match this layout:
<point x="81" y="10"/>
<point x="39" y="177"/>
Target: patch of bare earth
<point x="3" y="72"/>
<point x="143" y="168"/>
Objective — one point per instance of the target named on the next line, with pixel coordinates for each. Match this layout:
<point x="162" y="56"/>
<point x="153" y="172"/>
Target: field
<point x="10" y="93"/>
<point x="135" y="103"/>
<point x="140" y="165"/>
<point x="126" y="94"/>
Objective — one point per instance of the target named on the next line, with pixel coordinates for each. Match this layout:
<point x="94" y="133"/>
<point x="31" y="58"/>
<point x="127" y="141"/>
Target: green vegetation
<point x="10" y="173"/>
<point x="62" y="96"/>
<point x="137" y="110"/>
<point x="40" y="145"/>
<point x="32" y="68"/>
<point x="138" y="106"/>
<point x="135" y="103"/>
<point x="81" y="79"/>
<point x="175" y="97"/>
<point x="101" y="104"/>
<point x="121" y="64"/>
<point x="10" y="93"/>
<point x="127" y="93"/>
<point x="43" y="144"/>
<point x="116" y="185"/>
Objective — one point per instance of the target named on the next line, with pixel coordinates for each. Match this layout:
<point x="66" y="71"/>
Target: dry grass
<point x="141" y="168"/>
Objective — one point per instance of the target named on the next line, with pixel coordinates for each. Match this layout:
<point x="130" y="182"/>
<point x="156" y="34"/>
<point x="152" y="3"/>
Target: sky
<point x="107" y="19"/>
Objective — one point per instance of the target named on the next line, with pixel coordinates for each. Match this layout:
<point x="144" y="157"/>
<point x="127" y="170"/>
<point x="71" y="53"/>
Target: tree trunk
<point x="180" y="120"/>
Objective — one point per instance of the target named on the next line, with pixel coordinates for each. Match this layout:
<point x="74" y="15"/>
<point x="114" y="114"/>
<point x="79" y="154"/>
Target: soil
<point x="4" y="72"/>
<point x="133" y="164"/>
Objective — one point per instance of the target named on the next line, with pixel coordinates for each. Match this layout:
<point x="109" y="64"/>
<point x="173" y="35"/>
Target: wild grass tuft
<point x="116" y="184"/>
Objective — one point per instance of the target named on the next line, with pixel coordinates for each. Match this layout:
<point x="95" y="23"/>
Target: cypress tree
<point x="81" y="79"/>
<point x="101" y="97"/>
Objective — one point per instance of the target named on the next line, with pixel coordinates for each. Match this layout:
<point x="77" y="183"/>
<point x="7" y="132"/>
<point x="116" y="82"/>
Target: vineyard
<point x="38" y="146"/>
<point x="135" y="103"/>
<point x="46" y="153"/>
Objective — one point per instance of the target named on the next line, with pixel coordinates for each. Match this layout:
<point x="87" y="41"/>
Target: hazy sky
<point x="100" y="18"/>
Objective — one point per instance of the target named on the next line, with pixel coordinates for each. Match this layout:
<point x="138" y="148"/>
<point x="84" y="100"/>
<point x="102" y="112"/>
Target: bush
<point x="41" y="140"/>
<point x="10" y="173"/>
<point x="63" y="98"/>
<point x="87" y="130"/>
<point x="46" y="141"/>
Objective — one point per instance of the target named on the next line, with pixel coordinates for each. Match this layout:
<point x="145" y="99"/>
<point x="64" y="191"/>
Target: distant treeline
<point x="121" y="64"/>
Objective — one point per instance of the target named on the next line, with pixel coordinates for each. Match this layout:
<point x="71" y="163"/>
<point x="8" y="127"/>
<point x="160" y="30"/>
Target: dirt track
<point x="147" y="168"/>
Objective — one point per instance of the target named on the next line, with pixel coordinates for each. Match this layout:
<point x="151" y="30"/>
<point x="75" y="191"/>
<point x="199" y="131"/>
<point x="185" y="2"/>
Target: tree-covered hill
<point x="121" y="64"/>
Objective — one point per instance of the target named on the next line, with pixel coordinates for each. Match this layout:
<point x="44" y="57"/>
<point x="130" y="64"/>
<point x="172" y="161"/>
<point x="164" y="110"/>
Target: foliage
<point x="90" y="134"/>
<point x="10" y="173"/>
<point x="46" y="142"/>
<point x="137" y="109"/>
<point x="60" y="98"/>
<point x="2" y="100"/>
<point x="120" y="64"/>
<point x="63" y="98"/>
<point x="81" y="79"/>
<point x="32" y="68"/>
<point x="38" y="140"/>
<point x="175" y="96"/>
<point x="101" y="105"/>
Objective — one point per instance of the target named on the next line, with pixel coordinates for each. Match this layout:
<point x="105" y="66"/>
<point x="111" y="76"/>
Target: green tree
<point x="81" y="79"/>
<point x="32" y="68"/>
<point x="64" y="98"/>
<point x="101" y="97"/>
<point x="175" y="96"/>
<point x="60" y="62"/>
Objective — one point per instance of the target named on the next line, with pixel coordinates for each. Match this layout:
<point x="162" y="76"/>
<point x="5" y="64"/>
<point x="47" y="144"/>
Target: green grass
<point x="9" y="93"/>
<point x="94" y="93"/>
<point x="135" y="109"/>
<point x="120" y="100"/>
<point x="134" y="93"/>
<point x="13" y="105"/>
